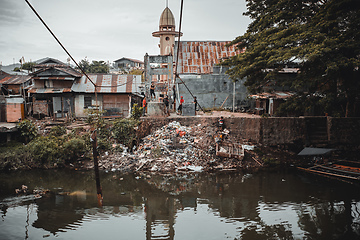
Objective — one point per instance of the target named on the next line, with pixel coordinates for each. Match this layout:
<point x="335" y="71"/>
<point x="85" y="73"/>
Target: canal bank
<point x="167" y="144"/>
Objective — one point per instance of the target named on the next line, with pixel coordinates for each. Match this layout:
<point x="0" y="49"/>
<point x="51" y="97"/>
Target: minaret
<point x="166" y="33"/>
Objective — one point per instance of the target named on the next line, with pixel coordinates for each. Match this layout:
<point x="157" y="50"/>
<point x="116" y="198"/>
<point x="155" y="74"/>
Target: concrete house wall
<point x="211" y="90"/>
<point x="15" y="109"/>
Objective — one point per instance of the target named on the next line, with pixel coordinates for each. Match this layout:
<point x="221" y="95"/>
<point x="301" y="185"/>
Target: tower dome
<point x="167" y="33"/>
<point x="167" y="18"/>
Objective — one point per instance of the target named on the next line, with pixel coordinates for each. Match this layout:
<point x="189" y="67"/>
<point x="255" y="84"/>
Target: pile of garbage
<point x="172" y="148"/>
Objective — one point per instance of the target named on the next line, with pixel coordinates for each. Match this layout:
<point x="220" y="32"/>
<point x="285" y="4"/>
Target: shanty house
<point x="15" y="84"/>
<point x="128" y="64"/>
<point x="14" y="88"/>
<point x="275" y="93"/>
<point x="198" y="68"/>
<point x="51" y="91"/>
<point x="115" y="94"/>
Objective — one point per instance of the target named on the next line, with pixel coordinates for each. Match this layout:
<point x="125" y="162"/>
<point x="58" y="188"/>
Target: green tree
<point x="85" y="65"/>
<point x="99" y="67"/>
<point x="320" y="36"/>
<point x="94" y="66"/>
<point x="28" y="66"/>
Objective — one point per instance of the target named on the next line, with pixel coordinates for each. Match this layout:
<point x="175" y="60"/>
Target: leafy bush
<point x="74" y="149"/>
<point x="94" y="117"/>
<point x="136" y="111"/>
<point x="14" y="157"/>
<point x="45" y="150"/>
<point x="27" y="130"/>
<point x="103" y="145"/>
<point x="57" y="131"/>
<point x="124" y="131"/>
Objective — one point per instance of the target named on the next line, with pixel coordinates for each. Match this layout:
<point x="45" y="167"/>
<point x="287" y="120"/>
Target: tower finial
<point x="167" y="3"/>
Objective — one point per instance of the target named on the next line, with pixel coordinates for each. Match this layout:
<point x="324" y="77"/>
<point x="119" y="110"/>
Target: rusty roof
<point x="49" y="60"/>
<point x="15" y="80"/>
<point x="199" y="57"/>
<point x="130" y="59"/>
<point x="49" y="90"/>
<point x="62" y="68"/>
<point x="108" y="83"/>
<point x="63" y="78"/>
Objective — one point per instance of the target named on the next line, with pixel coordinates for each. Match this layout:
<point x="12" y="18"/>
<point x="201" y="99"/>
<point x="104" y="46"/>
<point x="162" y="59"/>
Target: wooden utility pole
<point x="96" y="167"/>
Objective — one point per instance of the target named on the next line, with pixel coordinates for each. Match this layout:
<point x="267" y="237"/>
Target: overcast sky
<point x="109" y="29"/>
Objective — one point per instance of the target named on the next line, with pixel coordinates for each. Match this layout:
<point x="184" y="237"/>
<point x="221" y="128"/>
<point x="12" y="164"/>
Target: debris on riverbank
<point x="171" y="148"/>
<point x="174" y="148"/>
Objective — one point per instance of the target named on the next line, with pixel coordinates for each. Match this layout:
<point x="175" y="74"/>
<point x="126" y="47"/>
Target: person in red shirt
<point x="144" y="106"/>
<point x="180" y="106"/>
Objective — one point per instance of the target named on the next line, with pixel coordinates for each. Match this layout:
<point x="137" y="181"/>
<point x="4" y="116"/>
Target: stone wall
<point x="282" y="130"/>
<point x="344" y="130"/>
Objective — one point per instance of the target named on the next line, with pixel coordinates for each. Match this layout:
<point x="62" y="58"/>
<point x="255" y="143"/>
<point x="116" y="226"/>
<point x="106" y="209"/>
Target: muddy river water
<point x="262" y="205"/>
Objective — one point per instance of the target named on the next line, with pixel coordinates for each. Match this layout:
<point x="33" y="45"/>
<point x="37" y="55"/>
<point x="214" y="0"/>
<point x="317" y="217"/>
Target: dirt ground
<point x="218" y="114"/>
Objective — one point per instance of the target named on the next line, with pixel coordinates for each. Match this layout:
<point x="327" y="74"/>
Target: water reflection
<point x="263" y="205"/>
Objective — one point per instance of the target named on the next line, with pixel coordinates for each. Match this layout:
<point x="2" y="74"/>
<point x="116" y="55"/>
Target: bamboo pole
<point x="96" y="168"/>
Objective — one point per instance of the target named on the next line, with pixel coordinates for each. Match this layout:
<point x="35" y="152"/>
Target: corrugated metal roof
<point x="49" y="90"/>
<point x="55" y="78"/>
<point x="18" y="79"/>
<point x="49" y="60"/>
<point x="200" y="57"/>
<point x="130" y="59"/>
<point x="62" y="68"/>
<point x="108" y="83"/>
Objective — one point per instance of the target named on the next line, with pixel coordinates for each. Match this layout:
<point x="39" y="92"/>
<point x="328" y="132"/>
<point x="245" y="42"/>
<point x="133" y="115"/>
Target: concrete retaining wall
<point x="344" y="130"/>
<point x="275" y="131"/>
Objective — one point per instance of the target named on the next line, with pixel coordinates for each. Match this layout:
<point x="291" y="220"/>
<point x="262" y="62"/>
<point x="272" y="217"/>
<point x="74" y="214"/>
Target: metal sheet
<point x="55" y="78"/>
<point x="200" y="57"/>
<point x="315" y="151"/>
<point x="50" y="90"/>
<point x="111" y="83"/>
<point x="60" y="69"/>
<point x="14" y="80"/>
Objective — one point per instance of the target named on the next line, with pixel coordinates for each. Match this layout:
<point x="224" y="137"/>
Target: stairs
<point x="317" y="134"/>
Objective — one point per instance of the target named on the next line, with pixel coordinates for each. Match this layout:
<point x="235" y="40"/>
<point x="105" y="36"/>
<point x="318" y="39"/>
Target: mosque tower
<point x="166" y="33"/>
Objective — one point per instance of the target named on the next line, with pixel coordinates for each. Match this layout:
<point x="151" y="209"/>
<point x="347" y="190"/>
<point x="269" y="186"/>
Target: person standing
<point x="166" y="101"/>
<point x="174" y="97"/>
<point x="195" y="103"/>
<point x="221" y="123"/>
<point x="180" y="105"/>
<point x="144" y="106"/>
<point x="152" y="90"/>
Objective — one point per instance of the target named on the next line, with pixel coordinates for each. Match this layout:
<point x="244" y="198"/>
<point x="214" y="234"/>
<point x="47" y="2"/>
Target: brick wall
<point x="40" y="107"/>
